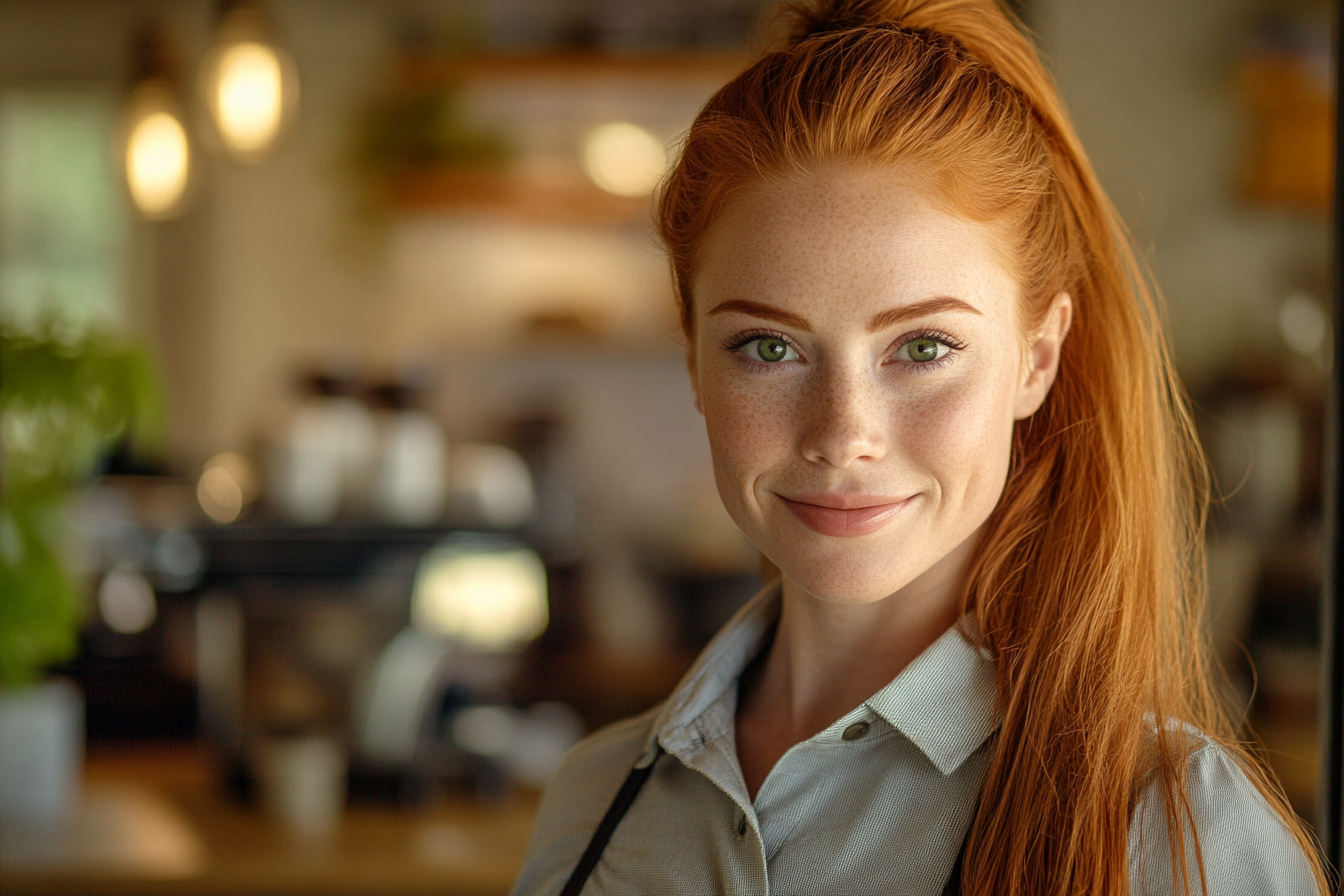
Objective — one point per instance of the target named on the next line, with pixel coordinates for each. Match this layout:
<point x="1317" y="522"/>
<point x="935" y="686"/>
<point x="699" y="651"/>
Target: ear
<point x="1042" y="357"/>
<point x="693" y="368"/>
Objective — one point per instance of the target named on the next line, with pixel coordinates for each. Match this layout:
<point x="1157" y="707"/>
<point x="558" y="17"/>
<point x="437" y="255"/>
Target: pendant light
<point x="248" y="82"/>
<point x="156" y="152"/>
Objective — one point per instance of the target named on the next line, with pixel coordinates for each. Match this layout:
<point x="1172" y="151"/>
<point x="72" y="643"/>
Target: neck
<point x="828" y="656"/>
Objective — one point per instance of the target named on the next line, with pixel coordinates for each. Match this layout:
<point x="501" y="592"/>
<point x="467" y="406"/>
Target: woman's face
<point x="857" y="358"/>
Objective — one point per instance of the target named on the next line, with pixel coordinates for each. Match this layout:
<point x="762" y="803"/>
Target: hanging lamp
<point x="156" y="151"/>
<point x="248" y="83"/>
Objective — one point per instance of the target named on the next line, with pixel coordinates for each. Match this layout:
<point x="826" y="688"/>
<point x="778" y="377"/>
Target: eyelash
<point x="735" y="344"/>
<point x="954" y="345"/>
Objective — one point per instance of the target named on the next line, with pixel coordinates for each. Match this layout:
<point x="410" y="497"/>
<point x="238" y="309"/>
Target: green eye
<point x="922" y="349"/>
<point x="771" y="348"/>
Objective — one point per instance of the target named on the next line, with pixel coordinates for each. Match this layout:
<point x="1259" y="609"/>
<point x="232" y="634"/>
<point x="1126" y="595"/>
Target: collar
<point x="944" y="702"/>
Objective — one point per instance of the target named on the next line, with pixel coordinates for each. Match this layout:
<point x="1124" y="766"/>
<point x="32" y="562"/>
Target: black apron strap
<point x="953" y="885"/>
<point x="625" y="798"/>
<point x="634" y="782"/>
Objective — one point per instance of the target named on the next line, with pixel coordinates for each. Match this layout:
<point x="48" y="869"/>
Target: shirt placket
<point x="791" y="792"/>
<point x="708" y="747"/>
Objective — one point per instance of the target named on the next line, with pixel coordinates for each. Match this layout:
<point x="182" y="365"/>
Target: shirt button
<point x="855" y="731"/>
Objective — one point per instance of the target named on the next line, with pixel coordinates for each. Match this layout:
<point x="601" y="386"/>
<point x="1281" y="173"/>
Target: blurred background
<point x="351" y="471"/>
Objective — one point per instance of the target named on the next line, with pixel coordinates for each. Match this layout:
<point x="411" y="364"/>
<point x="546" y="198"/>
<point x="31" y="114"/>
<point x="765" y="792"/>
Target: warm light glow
<point x="248" y="84"/>
<point x="491" y="598"/>
<point x="158" y="156"/>
<point x="624" y="159"/>
<point x="227" y="484"/>
<point x="249" y="98"/>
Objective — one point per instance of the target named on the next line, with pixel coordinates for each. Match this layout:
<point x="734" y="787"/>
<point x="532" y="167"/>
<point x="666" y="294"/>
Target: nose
<point x="844" y="419"/>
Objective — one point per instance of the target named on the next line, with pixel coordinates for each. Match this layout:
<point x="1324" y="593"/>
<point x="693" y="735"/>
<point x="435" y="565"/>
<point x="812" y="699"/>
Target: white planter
<point x="41" y="753"/>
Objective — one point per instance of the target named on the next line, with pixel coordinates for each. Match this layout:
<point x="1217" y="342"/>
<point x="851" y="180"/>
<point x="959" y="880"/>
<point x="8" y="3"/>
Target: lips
<point x="845" y="516"/>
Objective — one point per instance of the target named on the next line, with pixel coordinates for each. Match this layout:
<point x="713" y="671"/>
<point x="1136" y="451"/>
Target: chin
<point x="853" y="579"/>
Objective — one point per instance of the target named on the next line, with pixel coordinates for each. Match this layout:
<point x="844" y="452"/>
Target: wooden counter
<point x="152" y="821"/>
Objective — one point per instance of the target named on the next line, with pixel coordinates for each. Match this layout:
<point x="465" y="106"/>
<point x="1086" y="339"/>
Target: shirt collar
<point x="714" y="671"/>
<point x="945" y="702"/>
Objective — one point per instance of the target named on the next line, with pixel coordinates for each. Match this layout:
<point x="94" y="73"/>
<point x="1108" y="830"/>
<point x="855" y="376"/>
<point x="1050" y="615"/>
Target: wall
<point x="1150" y="85"/>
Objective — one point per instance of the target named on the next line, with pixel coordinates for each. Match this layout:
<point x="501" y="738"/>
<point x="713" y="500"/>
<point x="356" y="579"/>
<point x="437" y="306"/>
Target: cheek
<point x="748" y="428"/>
<point x="962" y="434"/>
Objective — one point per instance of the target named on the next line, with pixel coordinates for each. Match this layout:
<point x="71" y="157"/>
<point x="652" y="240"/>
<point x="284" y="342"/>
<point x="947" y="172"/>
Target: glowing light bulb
<point x="249" y="97"/>
<point x="158" y="155"/>
<point x="624" y="159"/>
<point x="248" y="84"/>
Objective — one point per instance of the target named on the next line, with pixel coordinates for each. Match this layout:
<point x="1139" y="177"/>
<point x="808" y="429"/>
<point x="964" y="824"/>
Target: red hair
<point x="1088" y="583"/>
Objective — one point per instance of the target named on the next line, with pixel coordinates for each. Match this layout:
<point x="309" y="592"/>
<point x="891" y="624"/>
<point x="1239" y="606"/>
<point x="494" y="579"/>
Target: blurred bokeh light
<point x="624" y="159"/>
<point x="249" y="83"/>
<point x="486" y="597"/>
<point x="158" y="153"/>
<point x="228" y="482"/>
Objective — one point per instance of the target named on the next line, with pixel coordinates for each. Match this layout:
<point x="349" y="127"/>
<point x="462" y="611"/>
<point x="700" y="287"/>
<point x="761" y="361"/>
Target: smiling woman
<point x="884" y="401"/>
<point x="939" y="403"/>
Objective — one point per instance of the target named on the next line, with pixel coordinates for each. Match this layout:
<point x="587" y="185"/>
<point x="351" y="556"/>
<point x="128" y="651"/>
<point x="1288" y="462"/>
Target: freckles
<point x="945" y="415"/>
<point x="747" y="428"/>
<point x="956" y="433"/>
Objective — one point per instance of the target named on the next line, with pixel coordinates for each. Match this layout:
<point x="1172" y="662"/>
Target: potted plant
<point x="62" y="401"/>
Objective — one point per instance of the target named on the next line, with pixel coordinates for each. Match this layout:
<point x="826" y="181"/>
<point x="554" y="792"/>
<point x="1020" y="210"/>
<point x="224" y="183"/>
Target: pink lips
<point x="845" y="516"/>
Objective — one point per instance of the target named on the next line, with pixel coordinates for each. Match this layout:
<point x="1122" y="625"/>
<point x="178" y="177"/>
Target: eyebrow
<point x="893" y="316"/>
<point x="759" y="309"/>
<point x="881" y="321"/>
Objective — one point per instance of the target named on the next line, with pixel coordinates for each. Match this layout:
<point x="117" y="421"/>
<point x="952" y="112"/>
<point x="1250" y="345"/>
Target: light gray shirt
<point x="879" y="802"/>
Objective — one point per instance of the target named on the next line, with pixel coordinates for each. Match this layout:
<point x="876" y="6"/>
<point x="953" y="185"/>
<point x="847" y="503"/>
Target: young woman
<point x="939" y="402"/>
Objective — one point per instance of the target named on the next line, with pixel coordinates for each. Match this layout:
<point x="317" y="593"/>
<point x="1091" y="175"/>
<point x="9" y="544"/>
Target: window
<point x="62" y="212"/>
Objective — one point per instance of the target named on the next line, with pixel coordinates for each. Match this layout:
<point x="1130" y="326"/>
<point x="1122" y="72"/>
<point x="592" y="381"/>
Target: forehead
<point x="848" y="239"/>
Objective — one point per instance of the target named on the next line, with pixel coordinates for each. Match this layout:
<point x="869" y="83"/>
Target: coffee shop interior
<point x="351" y="469"/>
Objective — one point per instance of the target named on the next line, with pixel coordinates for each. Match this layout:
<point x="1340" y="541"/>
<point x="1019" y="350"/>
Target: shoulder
<point x="1245" y="845"/>
<point x="577" y="798"/>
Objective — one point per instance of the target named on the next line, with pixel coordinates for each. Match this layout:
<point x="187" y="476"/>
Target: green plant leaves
<point x="62" y="401"/>
<point x="40" y="610"/>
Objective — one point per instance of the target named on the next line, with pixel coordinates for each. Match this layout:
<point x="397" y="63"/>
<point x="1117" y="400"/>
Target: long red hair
<point x="1088" y="583"/>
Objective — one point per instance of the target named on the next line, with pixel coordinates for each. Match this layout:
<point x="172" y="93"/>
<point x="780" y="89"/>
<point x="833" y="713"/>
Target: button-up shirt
<point x="878" y="802"/>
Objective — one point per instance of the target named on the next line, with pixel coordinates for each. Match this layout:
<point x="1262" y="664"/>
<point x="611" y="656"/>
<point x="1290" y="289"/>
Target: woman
<point x="939" y="402"/>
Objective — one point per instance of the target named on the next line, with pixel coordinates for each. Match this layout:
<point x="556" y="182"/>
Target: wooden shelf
<point x="515" y="196"/>
<point x="564" y="196"/>
<point x="1290" y="162"/>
